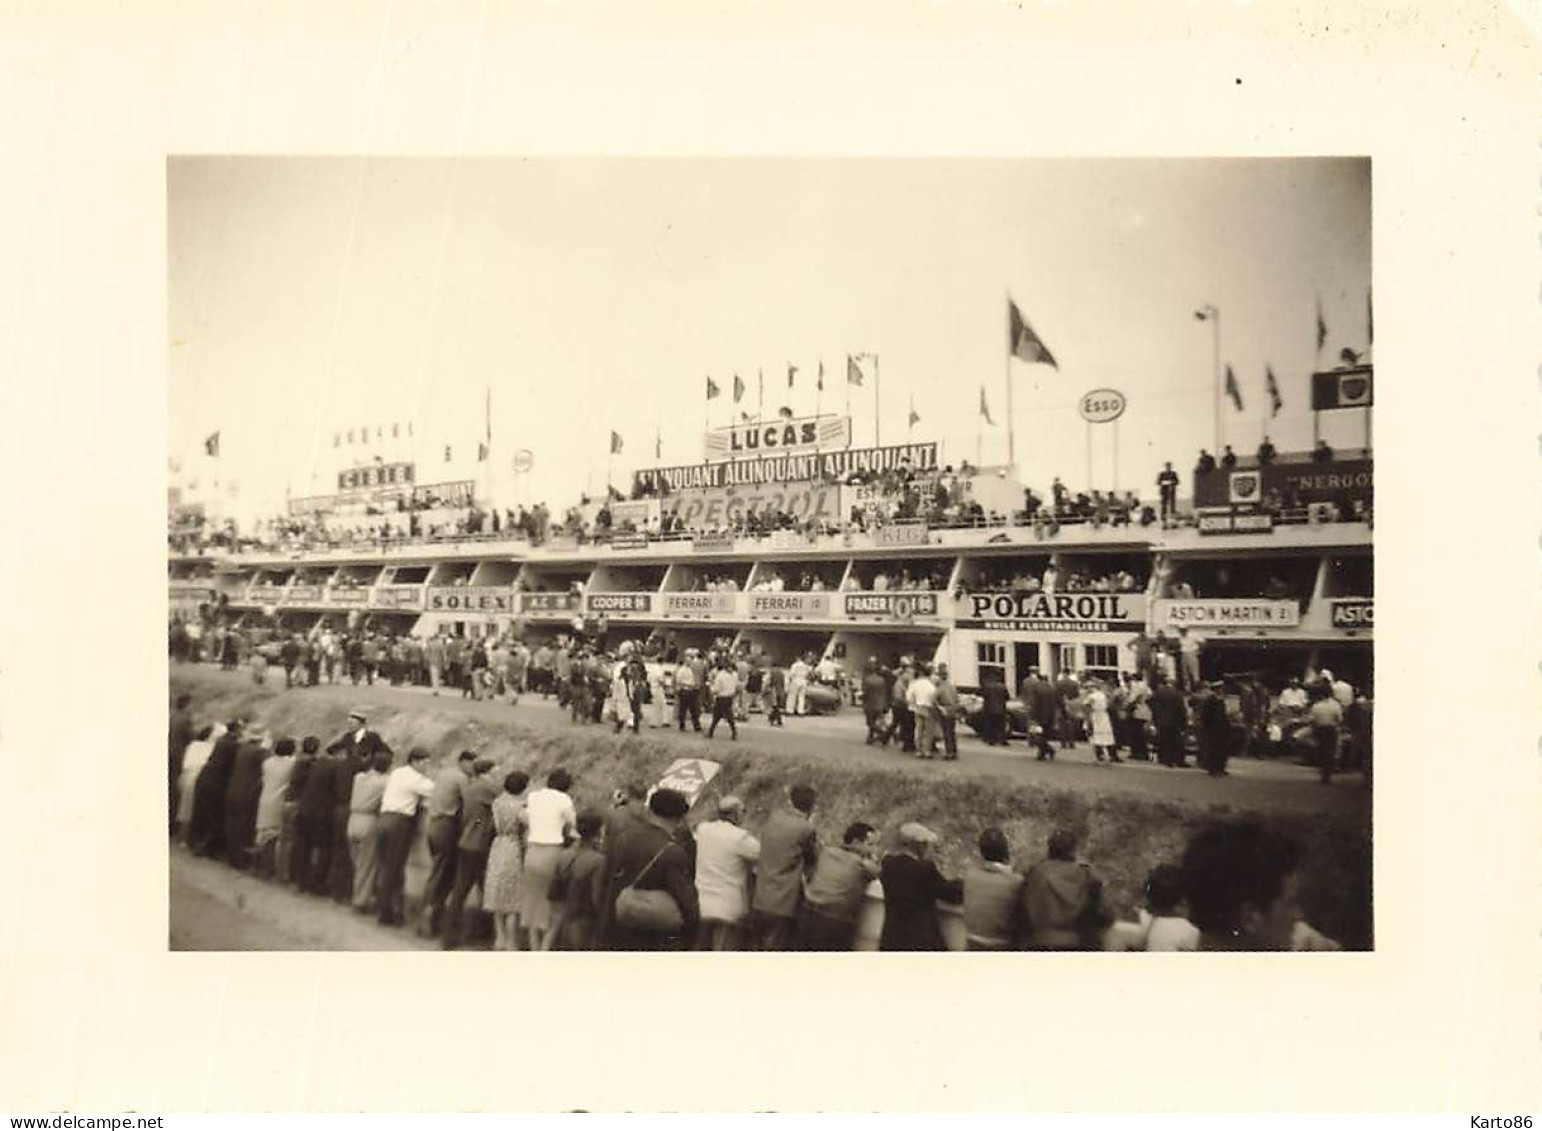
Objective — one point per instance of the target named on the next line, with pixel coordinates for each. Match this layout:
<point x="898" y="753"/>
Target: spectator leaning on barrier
<point x="834" y="892"/>
<point x="725" y="854"/>
<point x="992" y="896"/>
<point x="912" y="888"/>
<point x="789" y="847"/>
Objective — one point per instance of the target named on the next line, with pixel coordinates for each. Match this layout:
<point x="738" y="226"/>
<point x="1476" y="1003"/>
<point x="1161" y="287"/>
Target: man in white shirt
<point x="1343" y="692"/>
<point x="797" y="687"/>
<point x="407" y="789"/>
<point x="1293" y="698"/>
<point x="724" y="853"/>
<point x="725" y="687"/>
<point x="1326" y="715"/>
<point x="921" y="698"/>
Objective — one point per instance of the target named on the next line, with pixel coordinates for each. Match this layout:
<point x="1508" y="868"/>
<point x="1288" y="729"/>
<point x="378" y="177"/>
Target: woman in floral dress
<point x="506" y="862"/>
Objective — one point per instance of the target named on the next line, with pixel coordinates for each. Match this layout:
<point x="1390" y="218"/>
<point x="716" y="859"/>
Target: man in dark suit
<point x="314" y="839"/>
<point x="875" y="703"/>
<point x="206" y="835"/>
<point x="241" y="797"/>
<point x="993" y="710"/>
<point x="1043" y="706"/>
<point x="1171" y="715"/>
<point x="178" y="734"/>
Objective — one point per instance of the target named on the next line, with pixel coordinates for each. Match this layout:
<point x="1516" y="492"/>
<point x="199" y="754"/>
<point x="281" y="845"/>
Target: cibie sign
<point x="1102" y="406"/>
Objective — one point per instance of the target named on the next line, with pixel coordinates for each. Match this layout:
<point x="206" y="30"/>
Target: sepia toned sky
<point x="309" y="296"/>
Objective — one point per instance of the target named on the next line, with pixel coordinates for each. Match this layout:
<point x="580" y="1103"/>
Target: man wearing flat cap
<point x="912" y="888"/>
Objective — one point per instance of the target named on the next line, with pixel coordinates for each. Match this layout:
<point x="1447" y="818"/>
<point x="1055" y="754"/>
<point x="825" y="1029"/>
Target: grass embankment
<point x="1123" y="835"/>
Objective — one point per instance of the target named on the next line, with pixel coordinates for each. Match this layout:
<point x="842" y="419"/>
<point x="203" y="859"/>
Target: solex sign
<point x="689" y="776"/>
<point x="1102" y="406"/>
<point x="471" y="599"/>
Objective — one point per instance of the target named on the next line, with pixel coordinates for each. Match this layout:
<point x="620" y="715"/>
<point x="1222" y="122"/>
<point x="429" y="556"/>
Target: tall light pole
<point x="1208" y="313"/>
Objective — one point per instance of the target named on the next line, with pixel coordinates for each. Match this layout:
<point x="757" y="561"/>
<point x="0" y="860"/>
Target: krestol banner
<point x="729" y="506"/>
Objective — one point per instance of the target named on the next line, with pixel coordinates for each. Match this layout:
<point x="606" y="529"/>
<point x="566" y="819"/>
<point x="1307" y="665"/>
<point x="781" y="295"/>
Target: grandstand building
<point x="1271" y="566"/>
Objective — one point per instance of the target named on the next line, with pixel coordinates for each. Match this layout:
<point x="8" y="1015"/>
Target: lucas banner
<point x="1222" y="612"/>
<point x="1053" y="612"/>
<point x="707" y="509"/>
<point x="779" y="437"/>
<point x="829" y="467"/>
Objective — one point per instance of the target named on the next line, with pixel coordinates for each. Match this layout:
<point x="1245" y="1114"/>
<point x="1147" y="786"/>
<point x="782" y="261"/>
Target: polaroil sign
<point x="1053" y="612"/>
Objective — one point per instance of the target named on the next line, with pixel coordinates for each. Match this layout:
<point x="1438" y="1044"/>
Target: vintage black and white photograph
<point x="763" y="554"/>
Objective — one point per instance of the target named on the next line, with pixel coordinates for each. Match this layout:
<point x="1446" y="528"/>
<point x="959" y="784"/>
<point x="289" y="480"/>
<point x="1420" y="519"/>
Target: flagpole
<point x="910" y="420"/>
<point x="1089" y="455"/>
<point x="877" y="432"/>
<point x="1217" y="319"/>
<point x="1011" y="429"/>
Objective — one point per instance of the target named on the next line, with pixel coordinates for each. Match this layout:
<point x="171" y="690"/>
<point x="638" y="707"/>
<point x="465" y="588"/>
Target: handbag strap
<point x="662" y="849"/>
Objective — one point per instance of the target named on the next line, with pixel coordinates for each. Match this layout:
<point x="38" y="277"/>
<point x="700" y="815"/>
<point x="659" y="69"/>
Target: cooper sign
<point x="1101" y="406"/>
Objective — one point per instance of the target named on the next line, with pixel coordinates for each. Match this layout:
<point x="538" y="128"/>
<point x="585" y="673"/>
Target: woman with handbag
<point x="651" y="887"/>
<point x="505" y="862"/>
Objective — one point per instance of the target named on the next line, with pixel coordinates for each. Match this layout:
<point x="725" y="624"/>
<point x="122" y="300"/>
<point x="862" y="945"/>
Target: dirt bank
<point x="1129" y="818"/>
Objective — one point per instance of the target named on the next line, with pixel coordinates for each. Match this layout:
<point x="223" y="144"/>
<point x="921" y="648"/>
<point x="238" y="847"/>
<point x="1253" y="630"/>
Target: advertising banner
<point x="798" y="606"/>
<point x="822" y="466"/>
<point x="190" y="591"/>
<point x="1053" y="612"/>
<point x="891" y="606"/>
<point x="304" y="595"/>
<point x="1308" y="482"/>
<point x="712" y="543"/>
<point x="901" y="534"/>
<point x="781" y="437"/>
<point x="266" y="594"/>
<point x="1354" y="612"/>
<point x="690" y="776"/>
<point x="471" y="599"/>
<point x="1227" y="612"/>
<point x="348" y="595"/>
<point x="640" y="513"/>
<point x="700" y="604"/>
<point x="376" y="475"/>
<point x="399" y="596"/>
<point x="548" y="602"/>
<point x="629" y="542"/>
<point x="613" y="603"/>
<point x="789" y="540"/>
<point x="1240" y="522"/>
<point x="729" y="506"/>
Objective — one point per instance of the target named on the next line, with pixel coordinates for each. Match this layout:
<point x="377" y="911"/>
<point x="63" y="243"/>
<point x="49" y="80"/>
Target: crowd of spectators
<point x="1018" y="577"/>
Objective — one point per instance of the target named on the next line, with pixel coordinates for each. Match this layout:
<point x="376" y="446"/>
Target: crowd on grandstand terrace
<point x="1010" y="577"/>
<point x="617" y="866"/>
<point x="941" y="499"/>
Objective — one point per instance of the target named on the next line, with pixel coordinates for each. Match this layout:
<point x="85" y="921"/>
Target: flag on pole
<point x="1022" y="342"/>
<point x="792" y="371"/>
<point x="615" y="443"/>
<point x="1370" y="321"/>
<point x="481" y="453"/>
<point x="1322" y="327"/>
<point x="738" y="388"/>
<point x="447" y="453"/>
<point x="985" y="409"/>
<point x="350" y="435"/>
<point x="489" y="415"/>
<point x="744" y="417"/>
<point x="853" y="371"/>
<point x="211" y="446"/>
<point x="784" y="412"/>
<point x="396" y="431"/>
<point x="1275" y="400"/>
<point x="820" y="383"/>
<point x="1232" y="390"/>
<point x="915" y="417"/>
<point x="712" y="390"/>
<point x="658" y="444"/>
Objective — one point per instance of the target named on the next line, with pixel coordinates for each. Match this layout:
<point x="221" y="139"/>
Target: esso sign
<point x="524" y="460"/>
<point x="1102" y="405"/>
